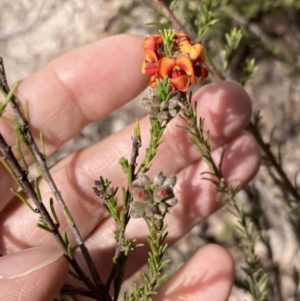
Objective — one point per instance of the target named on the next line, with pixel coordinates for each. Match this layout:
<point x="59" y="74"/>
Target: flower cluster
<point x="103" y="189"/>
<point x="152" y="198"/>
<point x="175" y="56"/>
<point x="164" y="108"/>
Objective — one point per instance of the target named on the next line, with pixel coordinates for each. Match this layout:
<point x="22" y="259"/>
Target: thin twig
<point x="120" y="258"/>
<point x="10" y="158"/>
<point x="42" y="164"/>
<point x="271" y="157"/>
<point x="165" y="10"/>
<point x="169" y="15"/>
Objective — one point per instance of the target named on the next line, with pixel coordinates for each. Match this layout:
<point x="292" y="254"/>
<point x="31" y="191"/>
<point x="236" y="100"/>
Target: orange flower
<point x="199" y="70"/>
<point x="182" y="63"/>
<point x="152" y="42"/>
<point x="151" y="45"/>
<point x="194" y="50"/>
<point x="180" y="72"/>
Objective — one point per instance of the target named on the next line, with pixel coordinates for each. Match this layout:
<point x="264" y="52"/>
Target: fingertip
<point x="218" y="256"/>
<point x="42" y="281"/>
<point x="241" y="160"/>
<point x="226" y="108"/>
<point x="208" y="275"/>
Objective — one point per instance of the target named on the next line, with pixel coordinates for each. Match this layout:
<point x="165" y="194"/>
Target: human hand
<point x="83" y="86"/>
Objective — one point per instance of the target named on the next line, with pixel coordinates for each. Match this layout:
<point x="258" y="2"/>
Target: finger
<point x="81" y="86"/>
<point x="208" y="275"/>
<point x="198" y="198"/>
<point x="226" y="108"/>
<point x="32" y="274"/>
<point x="77" y="172"/>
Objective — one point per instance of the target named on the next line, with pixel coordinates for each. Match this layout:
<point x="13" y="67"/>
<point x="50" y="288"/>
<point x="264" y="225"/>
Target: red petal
<point x="201" y="72"/>
<point x="204" y="74"/>
<point x="198" y="70"/>
<point x="151" y="69"/>
<point x="150" y="56"/>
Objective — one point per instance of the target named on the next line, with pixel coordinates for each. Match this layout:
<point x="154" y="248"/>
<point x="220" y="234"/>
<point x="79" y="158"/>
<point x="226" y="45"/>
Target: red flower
<point x="195" y="52"/>
<point x="151" y="45"/>
<point x="181" y="67"/>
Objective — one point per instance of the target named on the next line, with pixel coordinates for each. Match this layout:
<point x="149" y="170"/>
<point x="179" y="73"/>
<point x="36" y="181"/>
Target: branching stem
<point x="40" y="159"/>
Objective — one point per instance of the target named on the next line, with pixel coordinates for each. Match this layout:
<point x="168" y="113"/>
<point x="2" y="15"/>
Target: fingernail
<point x="27" y="261"/>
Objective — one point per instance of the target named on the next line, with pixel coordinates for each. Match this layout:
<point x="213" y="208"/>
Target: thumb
<point x="37" y="274"/>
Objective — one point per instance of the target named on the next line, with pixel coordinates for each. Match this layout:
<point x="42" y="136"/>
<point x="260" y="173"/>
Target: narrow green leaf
<point x="42" y="226"/>
<point x="164" y="263"/>
<point x="22" y="198"/>
<point x="68" y="215"/>
<point x="161" y="279"/>
<point x="54" y="212"/>
<point x="12" y="173"/>
<point x="124" y="164"/>
<point x="146" y="279"/>
<point x="11" y="92"/>
<point x="19" y="150"/>
<point x="65" y="238"/>
<point x="70" y="252"/>
<point x="42" y="144"/>
<point x="37" y="190"/>
<point x="26" y="111"/>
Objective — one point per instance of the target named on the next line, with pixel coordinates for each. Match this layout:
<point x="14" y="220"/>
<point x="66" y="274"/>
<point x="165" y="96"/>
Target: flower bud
<point x="140" y="194"/>
<point x="162" y="207"/>
<point x="142" y="180"/>
<point x="170" y="181"/>
<point x="171" y="202"/>
<point x="137" y="209"/>
<point x="110" y="190"/>
<point x="159" y="179"/>
<point x="151" y="199"/>
<point x="150" y="210"/>
<point x="163" y="116"/>
<point x="162" y="193"/>
<point x="173" y="103"/>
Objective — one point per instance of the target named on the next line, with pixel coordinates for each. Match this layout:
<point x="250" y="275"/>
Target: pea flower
<point x="152" y="199"/>
<point x="151" y="46"/>
<point x="174" y="56"/>
<point x="180" y="72"/>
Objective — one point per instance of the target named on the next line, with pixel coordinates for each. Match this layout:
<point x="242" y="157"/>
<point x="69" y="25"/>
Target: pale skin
<point x="85" y="85"/>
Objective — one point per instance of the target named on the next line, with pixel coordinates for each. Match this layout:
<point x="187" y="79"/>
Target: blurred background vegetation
<point x="256" y="43"/>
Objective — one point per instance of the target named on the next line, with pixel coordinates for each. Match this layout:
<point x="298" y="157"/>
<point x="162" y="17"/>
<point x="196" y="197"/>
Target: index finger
<point x="81" y="86"/>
